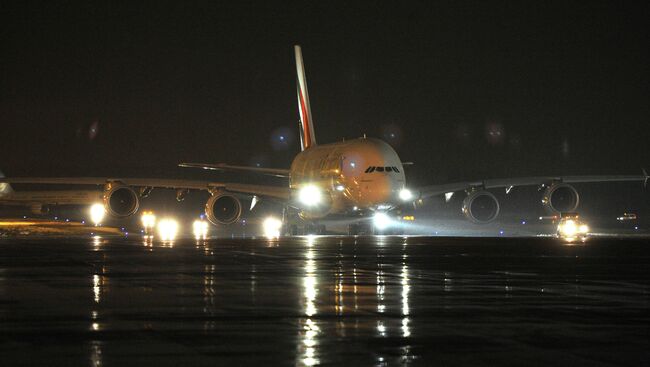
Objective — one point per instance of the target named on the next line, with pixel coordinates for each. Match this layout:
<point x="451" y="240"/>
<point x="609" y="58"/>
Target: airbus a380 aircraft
<point x="357" y="178"/>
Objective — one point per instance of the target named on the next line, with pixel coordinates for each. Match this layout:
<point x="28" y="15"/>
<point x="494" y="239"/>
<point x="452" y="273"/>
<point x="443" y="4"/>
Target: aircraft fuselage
<point x="362" y="174"/>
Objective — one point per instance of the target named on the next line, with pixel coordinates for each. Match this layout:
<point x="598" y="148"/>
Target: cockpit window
<point x="382" y="169"/>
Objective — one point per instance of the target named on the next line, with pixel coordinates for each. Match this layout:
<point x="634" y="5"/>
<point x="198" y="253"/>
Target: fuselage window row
<point x="381" y="169"/>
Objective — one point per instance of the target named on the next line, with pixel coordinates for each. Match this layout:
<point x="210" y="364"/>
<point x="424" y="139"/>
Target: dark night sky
<point x="469" y="89"/>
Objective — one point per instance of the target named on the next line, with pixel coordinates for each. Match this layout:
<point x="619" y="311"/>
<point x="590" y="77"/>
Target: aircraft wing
<point x="276" y="192"/>
<point x="509" y="183"/>
<point x="277" y="172"/>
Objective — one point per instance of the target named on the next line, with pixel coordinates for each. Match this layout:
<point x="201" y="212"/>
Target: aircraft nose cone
<point x="382" y="190"/>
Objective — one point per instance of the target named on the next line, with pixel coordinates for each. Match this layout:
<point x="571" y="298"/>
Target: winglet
<point x="645" y="177"/>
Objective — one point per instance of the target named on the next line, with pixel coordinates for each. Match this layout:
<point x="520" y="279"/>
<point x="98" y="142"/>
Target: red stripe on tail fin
<point x="308" y="137"/>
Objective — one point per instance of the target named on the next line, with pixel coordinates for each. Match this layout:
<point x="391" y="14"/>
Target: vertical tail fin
<point x="5" y="188"/>
<point x="307" y="135"/>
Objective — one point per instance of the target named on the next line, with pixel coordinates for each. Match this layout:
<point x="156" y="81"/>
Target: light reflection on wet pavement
<point x="324" y="300"/>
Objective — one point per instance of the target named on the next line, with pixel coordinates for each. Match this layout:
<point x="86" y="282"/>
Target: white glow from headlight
<point x="405" y="195"/>
<point x="568" y="229"/>
<point x="200" y="228"/>
<point x="167" y="229"/>
<point x="271" y="227"/>
<point x="97" y="213"/>
<point x="310" y="195"/>
<point x="381" y="221"/>
<point x="148" y="220"/>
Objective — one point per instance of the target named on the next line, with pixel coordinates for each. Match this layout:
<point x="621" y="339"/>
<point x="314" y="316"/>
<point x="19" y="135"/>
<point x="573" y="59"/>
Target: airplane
<point x="359" y="179"/>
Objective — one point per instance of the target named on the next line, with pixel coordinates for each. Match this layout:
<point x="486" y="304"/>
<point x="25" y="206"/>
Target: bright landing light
<point x="200" y="229"/>
<point x="570" y="230"/>
<point x="272" y="227"/>
<point x="148" y="220"/>
<point x="310" y="195"/>
<point x="97" y="213"/>
<point x="381" y="221"/>
<point x="405" y="195"/>
<point x="167" y="229"/>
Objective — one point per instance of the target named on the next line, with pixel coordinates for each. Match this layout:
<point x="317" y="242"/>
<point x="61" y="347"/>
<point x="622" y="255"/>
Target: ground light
<point x="200" y="228"/>
<point x="97" y="213"/>
<point x="167" y="229"/>
<point x="271" y="227"/>
<point x="148" y="222"/>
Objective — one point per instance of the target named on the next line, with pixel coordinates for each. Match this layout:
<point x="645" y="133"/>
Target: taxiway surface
<point x="324" y="300"/>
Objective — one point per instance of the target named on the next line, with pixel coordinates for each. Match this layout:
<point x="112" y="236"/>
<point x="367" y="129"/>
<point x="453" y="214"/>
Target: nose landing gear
<point x="366" y="228"/>
<point x="293" y="225"/>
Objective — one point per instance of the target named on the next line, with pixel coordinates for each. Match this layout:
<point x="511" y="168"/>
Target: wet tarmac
<point x="324" y="300"/>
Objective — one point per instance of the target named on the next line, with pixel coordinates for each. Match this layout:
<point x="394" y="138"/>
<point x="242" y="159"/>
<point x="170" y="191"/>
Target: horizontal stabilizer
<point x="277" y="172"/>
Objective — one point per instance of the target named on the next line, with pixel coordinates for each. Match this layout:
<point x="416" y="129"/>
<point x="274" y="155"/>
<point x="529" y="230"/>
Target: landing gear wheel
<point x="291" y="222"/>
<point x="315" y="229"/>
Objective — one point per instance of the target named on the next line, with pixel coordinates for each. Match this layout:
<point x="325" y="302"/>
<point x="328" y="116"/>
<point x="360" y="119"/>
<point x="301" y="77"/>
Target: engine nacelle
<point x="223" y="209"/>
<point x="481" y="206"/>
<point x="120" y="200"/>
<point x="561" y="197"/>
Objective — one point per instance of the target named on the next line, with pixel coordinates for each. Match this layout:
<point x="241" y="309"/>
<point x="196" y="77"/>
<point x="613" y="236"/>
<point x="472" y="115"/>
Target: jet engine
<point x="120" y="200"/>
<point x="481" y="206"/>
<point x="223" y="209"/>
<point x="560" y="197"/>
